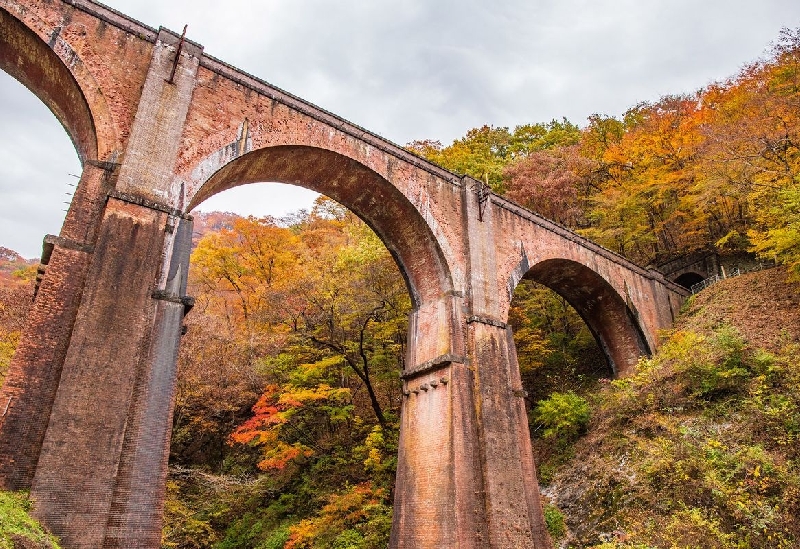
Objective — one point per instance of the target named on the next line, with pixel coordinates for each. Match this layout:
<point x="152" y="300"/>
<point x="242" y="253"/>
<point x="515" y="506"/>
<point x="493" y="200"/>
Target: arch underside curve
<point x="31" y="61"/>
<point x="381" y="205"/>
<point x="605" y="312"/>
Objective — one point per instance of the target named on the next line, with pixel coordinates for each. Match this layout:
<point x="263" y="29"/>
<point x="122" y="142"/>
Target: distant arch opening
<point x="36" y="193"/>
<point x="606" y="314"/>
<point x="556" y="349"/>
<point x="687" y="280"/>
<point x="45" y="135"/>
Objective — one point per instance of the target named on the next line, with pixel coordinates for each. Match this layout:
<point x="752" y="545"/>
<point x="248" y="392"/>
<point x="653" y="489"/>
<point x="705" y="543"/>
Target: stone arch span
<point x="375" y="200"/>
<point x="605" y="312"/>
<point x="33" y="62"/>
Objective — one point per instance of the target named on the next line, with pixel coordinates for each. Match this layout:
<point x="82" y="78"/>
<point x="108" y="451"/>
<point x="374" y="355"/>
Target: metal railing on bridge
<point x="711" y="280"/>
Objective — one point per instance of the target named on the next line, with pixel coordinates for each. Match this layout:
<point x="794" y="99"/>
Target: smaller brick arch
<point x="689" y="279"/>
<point x="605" y="312"/>
<point x="375" y="200"/>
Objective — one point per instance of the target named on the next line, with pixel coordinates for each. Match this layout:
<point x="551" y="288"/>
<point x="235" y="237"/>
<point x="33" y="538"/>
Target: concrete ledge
<point x="487" y="320"/>
<point x="147" y="203"/>
<point x="431" y="365"/>
<point x="51" y="241"/>
<point x="186" y="301"/>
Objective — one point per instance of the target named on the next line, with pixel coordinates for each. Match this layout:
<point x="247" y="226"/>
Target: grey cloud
<point x="426" y="69"/>
<point x="36" y="158"/>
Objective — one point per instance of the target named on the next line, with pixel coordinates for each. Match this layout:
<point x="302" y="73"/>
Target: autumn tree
<point x="645" y="208"/>
<point x="320" y="306"/>
<point x="290" y="368"/>
<point x="483" y="153"/>
<point x="555" y="183"/>
<point x="348" y="302"/>
<point x="356" y="308"/>
<point x="752" y="160"/>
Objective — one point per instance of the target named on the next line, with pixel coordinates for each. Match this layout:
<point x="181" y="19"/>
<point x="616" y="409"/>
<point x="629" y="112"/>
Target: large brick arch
<point x="34" y="53"/>
<point x="379" y="203"/>
<point x="602" y="308"/>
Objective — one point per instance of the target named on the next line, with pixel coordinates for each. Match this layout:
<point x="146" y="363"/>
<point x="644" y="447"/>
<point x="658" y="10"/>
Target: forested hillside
<point x="700" y="447"/>
<point x="286" y="417"/>
<point x="717" y="168"/>
<point x="288" y="396"/>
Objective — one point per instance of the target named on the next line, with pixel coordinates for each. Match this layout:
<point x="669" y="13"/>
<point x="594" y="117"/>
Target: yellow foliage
<point x="8" y="344"/>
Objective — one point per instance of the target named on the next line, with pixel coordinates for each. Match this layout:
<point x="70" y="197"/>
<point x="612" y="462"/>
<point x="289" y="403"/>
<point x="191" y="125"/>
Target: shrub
<point x="277" y="539"/>
<point x="349" y="539"/>
<point x="554" y="520"/>
<point x="711" y="366"/>
<point x="17" y="527"/>
<point x="563" y="415"/>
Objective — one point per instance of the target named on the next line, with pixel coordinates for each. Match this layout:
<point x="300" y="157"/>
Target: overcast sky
<point x="412" y="69"/>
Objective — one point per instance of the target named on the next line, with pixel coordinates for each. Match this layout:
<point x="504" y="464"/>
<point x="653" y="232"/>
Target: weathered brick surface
<point x="35" y="372"/>
<point x="427" y="465"/>
<point x="136" y="510"/>
<point x="512" y="496"/>
<point x="90" y="394"/>
<point x="77" y="470"/>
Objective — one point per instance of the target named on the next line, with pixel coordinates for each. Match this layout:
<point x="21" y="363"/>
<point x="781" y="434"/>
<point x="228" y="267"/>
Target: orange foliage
<point x="281" y="454"/>
<point x="343" y="511"/>
<point x="266" y="414"/>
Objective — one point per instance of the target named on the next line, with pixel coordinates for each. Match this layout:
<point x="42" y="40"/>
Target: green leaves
<point x="563" y="415"/>
<point x="17" y="527"/>
<point x="485" y="152"/>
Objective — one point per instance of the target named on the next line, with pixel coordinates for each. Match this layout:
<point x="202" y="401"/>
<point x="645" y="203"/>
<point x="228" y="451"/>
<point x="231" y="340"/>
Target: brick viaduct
<point x="159" y="127"/>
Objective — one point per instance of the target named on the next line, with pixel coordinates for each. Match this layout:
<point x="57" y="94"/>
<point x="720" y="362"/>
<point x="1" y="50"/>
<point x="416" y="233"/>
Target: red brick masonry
<point x="87" y="404"/>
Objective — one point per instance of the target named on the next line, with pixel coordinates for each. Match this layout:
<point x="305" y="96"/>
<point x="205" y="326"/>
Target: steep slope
<point x="700" y="447"/>
<point x="763" y="306"/>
